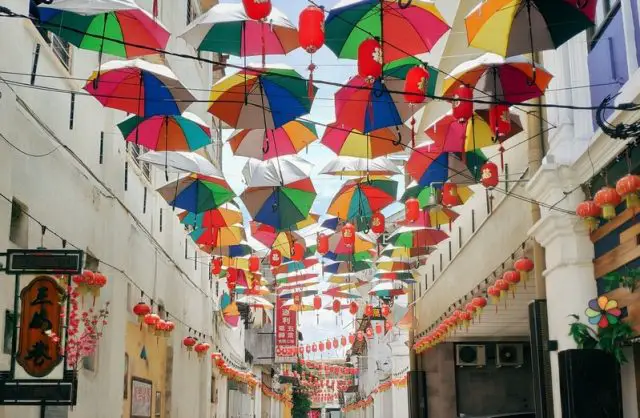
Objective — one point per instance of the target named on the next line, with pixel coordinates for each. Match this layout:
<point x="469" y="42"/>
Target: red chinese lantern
<point x="343" y="341"/>
<point x="336" y="306"/>
<point x="524" y="266"/>
<point x="369" y="333"/>
<point x="466" y="318"/>
<point x="352" y="339"/>
<point x="628" y="187"/>
<point x="317" y="302"/>
<point x="589" y="212"/>
<point x="360" y="336"/>
<point x="462" y="104"/>
<point x="385" y="310"/>
<point x="378" y="329"/>
<point x="502" y="286"/>
<point x="607" y="199"/>
<point x="232" y="279"/>
<point x="479" y="302"/>
<point x="368" y="310"/>
<point x="377" y="223"/>
<point x="349" y="235"/>
<point x="450" y="196"/>
<point x="415" y="85"/>
<point x="216" y="266"/>
<point x="141" y="310"/>
<point x="311" y="29"/>
<point x="494" y="293"/>
<point x="370" y="60"/>
<point x="471" y="308"/>
<point x="489" y="175"/>
<point x="297" y="254"/>
<point x="257" y="9"/>
<point x="411" y="210"/>
<point x="151" y="319"/>
<point x="307" y="349"/>
<point x="500" y="120"/>
<point x="254" y="263"/>
<point x="275" y="258"/>
<point x="353" y="308"/>
<point x="323" y="244"/>
<point x="314" y="347"/>
<point x="388" y="325"/>
<point x="321" y="346"/>
<point x="189" y="343"/>
<point x="512" y="278"/>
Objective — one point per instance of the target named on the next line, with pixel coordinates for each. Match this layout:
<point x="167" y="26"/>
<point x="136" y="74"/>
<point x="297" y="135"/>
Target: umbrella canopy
<point x="404" y="252"/>
<point x="363" y="255"/>
<point x="297" y="294"/>
<point x="115" y="27"/>
<point x="197" y="193"/>
<point x="186" y="132"/>
<point x="386" y="289"/>
<point x="399" y="69"/>
<point x="393" y="264"/>
<point x="181" y="162"/>
<point x="225" y="215"/>
<point x="368" y="107"/>
<point x="352" y="166"/>
<point x="432" y="218"/>
<point x="514" y="80"/>
<point x="429" y="166"/>
<point x="284" y="241"/>
<point x="261" y="97"/>
<point x="343" y="267"/>
<point x="230" y="312"/>
<point x="378" y="143"/>
<point x="416" y="26"/>
<point x="298" y="307"/>
<point x="406" y="276"/>
<point x="294" y="266"/>
<point x="239" y="250"/>
<point x="270" y="143"/>
<point x="362" y="243"/>
<point x="219" y="237"/>
<point x="515" y="22"/>
<point x="276" y="172"/>
<point x="363" y="197"/>
<point x="417" y="237"/>
<point x="428" y="195"/>
<point x="139" y="87"/>
<point x="255" y="302"/>
<point x="226" y="28"/>
<point x="452" y="136"/>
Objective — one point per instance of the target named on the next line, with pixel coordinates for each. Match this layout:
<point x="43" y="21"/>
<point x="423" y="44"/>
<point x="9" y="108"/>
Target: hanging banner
<point x="286" y="334"/>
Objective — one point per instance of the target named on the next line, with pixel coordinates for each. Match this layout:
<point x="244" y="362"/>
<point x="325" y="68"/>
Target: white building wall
<point x="84" y="201"/>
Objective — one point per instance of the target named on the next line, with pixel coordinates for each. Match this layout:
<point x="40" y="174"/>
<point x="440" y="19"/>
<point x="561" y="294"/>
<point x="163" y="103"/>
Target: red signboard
<point x="286" y="333"/>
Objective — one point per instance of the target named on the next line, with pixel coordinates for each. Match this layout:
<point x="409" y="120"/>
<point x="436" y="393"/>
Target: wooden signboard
<point x="40" y="314"/>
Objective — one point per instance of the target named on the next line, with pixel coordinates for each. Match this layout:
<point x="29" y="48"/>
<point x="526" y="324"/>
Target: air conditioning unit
<point x="470" y="355"/>
<point x="509" y="355"/>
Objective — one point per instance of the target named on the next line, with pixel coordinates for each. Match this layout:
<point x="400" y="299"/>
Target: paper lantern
<point x="415" y="85"/>
<point x="317" y="302"/>
<point x="275" y="258"/>
<point x="216" y="266"/>
<point x="314" y="347"/>
<point x="232" y="279"/>
<point x="500" y="120"/>
<point x="343" y="341"/>
<point x="151" y="319"/>
<point x="450" y="196"/>
<point x="141" y="310"/>
<point x="311" y="29"/>
<point x="494" y="293"/>
<point x="628" y="187"/>
<point x="479" y="302"/>
<point x="189" y="343"/>
<point x="388" y="325"/>
<point x="349" y="235"/>
<point x="323" y="244"/>
<point x="502" y="286"/>
<point x="257" y="9"/>
<point x="512" y="278"/>
<point x="368" y="310"/>
<point x="607" y="199"/>
<point x="352" y="339"/>
<point x="385" y="310"/>
<point x="378" y="328"/>
<point x="321" y="346"/>
<point x="377" y="223"/>
<point x="462" y="104"/>
<point x="489" y="174"/>
<point x="307" y="349"/>
<point x="336" y="306"/>
<point x="353" y="308"/>
<point x="298" y="252"/>
<point x="523" y="266"/>
<point x="589" y="212"/>
<point x="370" y="60"/>
<point x="411" y="210"/>
<point x="254" y="263"/>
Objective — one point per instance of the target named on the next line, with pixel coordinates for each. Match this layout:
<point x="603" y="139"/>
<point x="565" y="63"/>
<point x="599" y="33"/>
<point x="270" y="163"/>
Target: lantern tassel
<point x="413" y="132"/>
<point x="501" y="149"/>
<point x="155" y="9"/>
<point x="311" y="68"/>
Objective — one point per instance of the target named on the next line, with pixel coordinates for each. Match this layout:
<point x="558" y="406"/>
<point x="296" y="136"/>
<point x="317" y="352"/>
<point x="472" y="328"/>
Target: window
<point x="136" y="150"/>
<point x="55" y="411"/>
<point x="9" y="324"/>
<point x="61" y="48"/>
<point x="125" y="394"/>
<point x="19" y="228"/>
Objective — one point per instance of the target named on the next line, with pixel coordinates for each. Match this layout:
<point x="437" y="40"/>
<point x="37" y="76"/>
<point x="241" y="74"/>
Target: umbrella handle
<point x="265" y="147"/>
<point x="398" y="141"/>
<point x="407" y="4"/>
<point x="581" y="4"/>
<point x="532" y="81"/>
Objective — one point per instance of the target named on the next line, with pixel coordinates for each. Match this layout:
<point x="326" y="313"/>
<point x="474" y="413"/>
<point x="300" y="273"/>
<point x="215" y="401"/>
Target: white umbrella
<point x="255" y="302"/>
<point x="84" y="7"/>
<point x="353" y="166"/>
<point x="181" y="162"/>
<point x="276" y="171"/>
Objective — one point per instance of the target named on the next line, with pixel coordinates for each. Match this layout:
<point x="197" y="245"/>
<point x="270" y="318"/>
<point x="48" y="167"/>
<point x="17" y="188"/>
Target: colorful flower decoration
<point x="603" y="312"/>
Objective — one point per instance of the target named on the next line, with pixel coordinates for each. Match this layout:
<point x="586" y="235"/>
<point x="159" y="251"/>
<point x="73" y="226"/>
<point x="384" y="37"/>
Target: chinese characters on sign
<point x="286" y="332"/>
<point x="141" y="391"/>
<point x="40" y="314"/>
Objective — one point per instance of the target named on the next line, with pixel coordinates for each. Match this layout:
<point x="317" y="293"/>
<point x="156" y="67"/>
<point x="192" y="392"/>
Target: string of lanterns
<point x="399" y="383"/>
<point x="606" y="200"/>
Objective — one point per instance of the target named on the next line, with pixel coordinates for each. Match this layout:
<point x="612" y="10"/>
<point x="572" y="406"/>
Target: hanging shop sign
<point x="286" y="333"/>
<point x="39" y="316"/>
<point x="43" y="262"/>
<point x="141" y="392"/>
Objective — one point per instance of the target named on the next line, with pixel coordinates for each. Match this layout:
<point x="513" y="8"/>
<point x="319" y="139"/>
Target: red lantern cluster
<point x="89" y="282"/>
<point x="201" y="349"/>
<point x="489" y="175"/>
<point x="368" y="309"/>
<point x="370" y="60"/>
<point x="415" y="85"/>
<point x="232" y="279"/>
<point x="257" y="9"/>
<point x="462" y="104"/>
<point x="353" y="308"/>
<point x="151" y="320"/>
<point x="523" y="266"/>
<point x="298" y="252"/>
<point x="500" y="120"/>
<point x="336" y="306"/>
<point x="385" y="310"/>
<point x="317" y="302"/>
<point x="607" y="199"/>
<point x="377" y="223"/>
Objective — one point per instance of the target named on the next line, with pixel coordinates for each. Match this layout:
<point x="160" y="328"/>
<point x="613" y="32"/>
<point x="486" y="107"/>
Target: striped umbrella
<point x="197" y="193"/>
<point x="186" y="132"/>
<point x="271" y="143"/>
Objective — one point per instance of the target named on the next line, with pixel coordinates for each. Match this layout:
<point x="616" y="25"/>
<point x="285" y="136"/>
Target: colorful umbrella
<point x="417" y="237"/>
<point x="277" y="171"/>
<point x="297" y="294"/>
<point x="343" y="267"/>
<point x="255" y="302"/>
<point x="409" y="28"/>
<point x="393" y="264"/>
<point x="197" y="193"/>
<point x="298" y="307"/>
<point x="238" y="250"/>
<point x="404" y="252"/>
<point x="219" y="237"/>
<point x="226" y="28"/>
<point x="428" y="166"/>
<point x="399" y="69"/>
<point x="230" y="312"/>
<point x="432" y="218"/>
<point x="284" y="241"/>
<point x="428" y="195"/>
<point x="381" y="142"/>
<point x="261" y="97"/>
<point x="295" y="278"/>
<point x="114" y="27"/>
<point x="282" y="290"/>
<point x="368" y="107"/>
<point x="269" y="143"/>
<point x="352" y="166"/>
<point x="225" y="215"/>
<point x="363" y="197"/>
<point x="186" y="132"/>
<point x="294" y="266"/>
<point x="406" y="277"/>
<point x="362" y="243"/>
<point x="181" y="163"/>
<point x="387" y="289"/>
<point x="363" y="255"/>
<point x="506" y="27"/>
<point x="452" y="136"/>
<point x="139" y="87"/>
<point x="514" y="80"/>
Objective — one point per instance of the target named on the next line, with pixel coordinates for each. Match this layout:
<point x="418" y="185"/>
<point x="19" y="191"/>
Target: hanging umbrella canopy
<point x="226" y="215"/>
<point x="431" y="167"/>
<point x="294" y="266"/>
<point x="239" y="250"/>
<point x="298" y="307"/>
<point x="432" y="218"/>
<point x="513" y="80"/>
<point x="417" y="237"/>
<point x="406" y="29"/>
<point x="362" y="243"/>
<point x="255" y="302"/>
<point x="256" y="291"/>
<point x="350" y="142"/>
<point x="394" y="264"/>
<point x="226" y="28"/>
<point x="342" y="267"/>
<point x="297" y="294"/>
<point x="261" y="97"/>
<point x="406" y="277"/>
<point x="516" y="21"/>
<point x="426" y="195"/>
<point x="219" y="237"/>
<point x="343" y="293"/>
<point x="452" y="136"/>
<point x="368" y="107"/>
<point x="359" y="167"/>
<point x="181" y="162"/>
<point x="276" y="172"/>
<point x="115" y="27"/>
<point x="364" y="255"/>
<point x="186" y="132"/>
<point x="404" y="252"/>
<point x="230" y="312"/>
<point x="386" y="289"/>
<point x="284" y="289"/>
<point x="283" y="241"/>
<point x="363" y="197"/>
<point x="139" y="87"/>
<point x="297" y="277"/>
<point x="264" y="144"/>
<point x="197" y="193"/>
<point x="400" y="67"/>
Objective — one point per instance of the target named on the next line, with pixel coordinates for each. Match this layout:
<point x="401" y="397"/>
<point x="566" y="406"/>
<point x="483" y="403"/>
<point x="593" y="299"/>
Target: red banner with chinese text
<point x="286" y="333"/>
